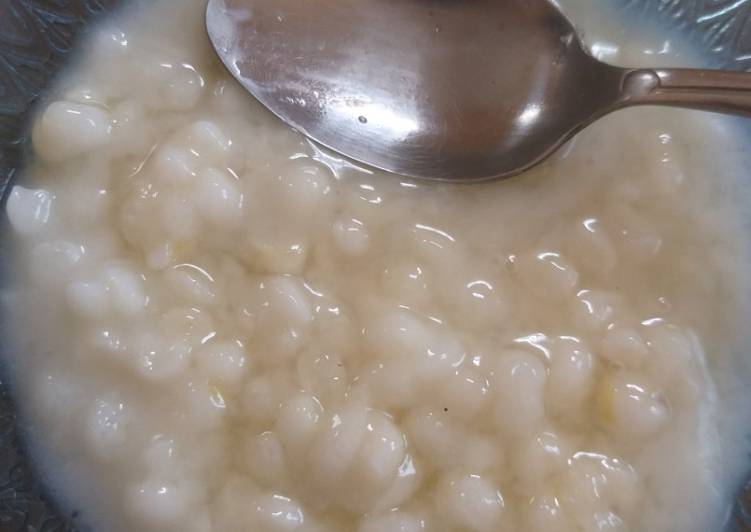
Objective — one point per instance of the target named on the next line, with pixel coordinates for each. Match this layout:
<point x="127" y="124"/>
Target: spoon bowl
<point x="452" y="90"/>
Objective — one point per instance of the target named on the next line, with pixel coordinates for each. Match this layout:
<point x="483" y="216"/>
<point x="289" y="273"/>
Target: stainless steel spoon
<point x="441" y="89"/>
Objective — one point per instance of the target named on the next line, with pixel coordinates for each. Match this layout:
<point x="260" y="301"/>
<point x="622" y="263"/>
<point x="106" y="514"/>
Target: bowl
<point x="35" y="38"/>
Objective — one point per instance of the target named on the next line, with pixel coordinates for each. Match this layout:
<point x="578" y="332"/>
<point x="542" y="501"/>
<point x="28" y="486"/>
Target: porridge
<point x="220" y="327"/>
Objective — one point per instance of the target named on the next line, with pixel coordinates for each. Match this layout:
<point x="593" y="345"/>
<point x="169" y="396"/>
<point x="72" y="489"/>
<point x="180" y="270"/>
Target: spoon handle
<point x="708" y="90"/>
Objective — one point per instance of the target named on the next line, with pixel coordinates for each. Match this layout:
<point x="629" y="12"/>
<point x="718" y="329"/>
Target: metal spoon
<point x="441" y="89"/>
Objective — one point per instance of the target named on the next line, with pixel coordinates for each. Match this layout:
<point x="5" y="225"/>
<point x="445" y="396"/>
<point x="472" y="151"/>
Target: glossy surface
<point x="442" y="90"/>
<point x="32" y="53"/>
<point x="433" y="89"/>
<point x="235" y="330"/>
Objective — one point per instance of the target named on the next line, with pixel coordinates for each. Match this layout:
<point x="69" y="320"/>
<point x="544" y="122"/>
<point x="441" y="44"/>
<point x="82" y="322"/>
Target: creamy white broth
<point x="235" y="331"/>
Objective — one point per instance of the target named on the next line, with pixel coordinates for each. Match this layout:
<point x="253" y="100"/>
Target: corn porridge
<point x="236" y="331"/>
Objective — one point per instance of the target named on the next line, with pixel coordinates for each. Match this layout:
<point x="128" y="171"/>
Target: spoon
<point x="459" y="90"/>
